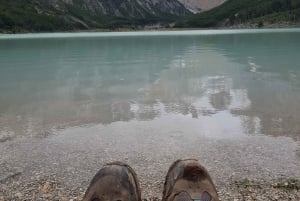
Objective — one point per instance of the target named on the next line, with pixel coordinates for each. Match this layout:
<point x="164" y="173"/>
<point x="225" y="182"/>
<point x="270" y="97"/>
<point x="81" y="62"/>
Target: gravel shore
<point x="61" y="165"/>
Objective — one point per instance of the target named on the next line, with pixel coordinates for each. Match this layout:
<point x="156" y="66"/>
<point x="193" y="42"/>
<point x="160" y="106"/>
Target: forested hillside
<point x="61" y="15"/>
<point x="55" y="15"/>
<point x="234" y="12"/>
<point x="28" y="15"/>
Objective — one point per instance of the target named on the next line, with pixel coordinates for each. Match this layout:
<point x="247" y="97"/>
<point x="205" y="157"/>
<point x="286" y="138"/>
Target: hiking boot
<point x="114" y="182"/>
<point x="187" y="180"/>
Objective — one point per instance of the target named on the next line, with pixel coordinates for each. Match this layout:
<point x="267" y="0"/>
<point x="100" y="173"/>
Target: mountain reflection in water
<point x="236" y="83"/>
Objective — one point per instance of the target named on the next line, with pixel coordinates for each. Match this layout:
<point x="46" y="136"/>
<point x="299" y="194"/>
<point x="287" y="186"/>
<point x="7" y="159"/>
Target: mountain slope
<point x="50" y="15"/>
<point x="246" y="11"/>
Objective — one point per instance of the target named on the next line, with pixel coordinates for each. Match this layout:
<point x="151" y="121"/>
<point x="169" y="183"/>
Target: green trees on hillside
<point x="40" y="16"/>
<point x="242" y="11"/>
<point x="43" y="16"/>
<point x="23" y="15"/>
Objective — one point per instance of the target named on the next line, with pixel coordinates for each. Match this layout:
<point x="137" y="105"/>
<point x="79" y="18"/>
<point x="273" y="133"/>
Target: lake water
<point x="71" y="102"/>
<point x="220" y="84"/>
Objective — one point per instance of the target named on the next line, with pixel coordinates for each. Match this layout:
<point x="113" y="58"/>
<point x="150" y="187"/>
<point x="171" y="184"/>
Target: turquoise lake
<point x="222" y="84"/>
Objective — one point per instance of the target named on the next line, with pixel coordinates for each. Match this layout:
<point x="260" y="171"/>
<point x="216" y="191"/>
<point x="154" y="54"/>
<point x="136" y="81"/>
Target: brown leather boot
<point x="187" y="180"/>
<point x="114" y="182"/>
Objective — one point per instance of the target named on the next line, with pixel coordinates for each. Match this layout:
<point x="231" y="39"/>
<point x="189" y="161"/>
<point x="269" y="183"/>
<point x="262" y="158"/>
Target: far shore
<point x="155" y="28"/>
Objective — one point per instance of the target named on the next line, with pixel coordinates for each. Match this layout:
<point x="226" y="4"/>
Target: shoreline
<point x="237" y="27"/>
<point x="57" y="168"/>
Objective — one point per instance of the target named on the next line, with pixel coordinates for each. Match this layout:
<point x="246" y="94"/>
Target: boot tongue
<point x="206" y="196"/>
<point x="184" y="196"/>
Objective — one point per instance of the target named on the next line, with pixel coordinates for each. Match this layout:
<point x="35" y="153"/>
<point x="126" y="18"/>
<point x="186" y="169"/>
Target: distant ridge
<point x="256" y="12"/>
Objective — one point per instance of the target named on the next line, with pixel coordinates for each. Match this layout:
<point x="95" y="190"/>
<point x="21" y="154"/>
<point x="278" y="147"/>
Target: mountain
<point x="61" y="15"/>
<point x="50" y="15"/>
<point x="256" y="12"/>
<point x="196" y="6"/>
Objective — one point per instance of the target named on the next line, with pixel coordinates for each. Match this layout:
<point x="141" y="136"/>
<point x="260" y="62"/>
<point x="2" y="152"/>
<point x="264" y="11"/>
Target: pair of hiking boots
<point x="186" y="180"/>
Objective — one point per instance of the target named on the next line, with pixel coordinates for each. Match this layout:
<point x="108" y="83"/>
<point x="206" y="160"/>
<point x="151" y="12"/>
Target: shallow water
<point x="220" y="84"/>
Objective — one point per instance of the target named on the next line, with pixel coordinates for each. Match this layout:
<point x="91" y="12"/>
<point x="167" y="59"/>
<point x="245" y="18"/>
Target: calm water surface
<point x="221" y="84"/>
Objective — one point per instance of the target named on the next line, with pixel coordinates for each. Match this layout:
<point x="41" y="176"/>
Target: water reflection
<point x="241" y="84"/>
